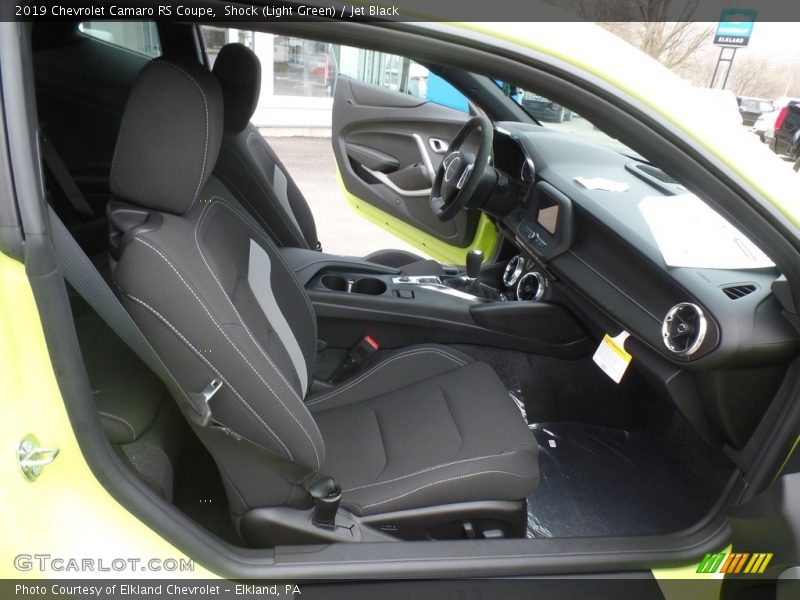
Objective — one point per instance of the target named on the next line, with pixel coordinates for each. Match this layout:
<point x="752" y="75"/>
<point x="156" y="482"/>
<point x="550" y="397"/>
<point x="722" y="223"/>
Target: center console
<point x="353" y="298"/>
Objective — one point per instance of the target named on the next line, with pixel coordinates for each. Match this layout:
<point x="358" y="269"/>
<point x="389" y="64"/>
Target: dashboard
<point x="584" y="240"/>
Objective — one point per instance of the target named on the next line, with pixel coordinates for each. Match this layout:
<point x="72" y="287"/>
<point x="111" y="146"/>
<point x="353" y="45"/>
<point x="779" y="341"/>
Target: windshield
<point x="561" y="118"/>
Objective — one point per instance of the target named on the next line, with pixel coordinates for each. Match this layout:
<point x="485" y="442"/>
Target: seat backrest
<point x="248" y="165"/>
<point x="207" y="286"/>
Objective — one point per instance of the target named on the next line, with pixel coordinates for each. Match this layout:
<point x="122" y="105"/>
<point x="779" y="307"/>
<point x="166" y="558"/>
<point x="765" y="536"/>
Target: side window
<point x="298" y="72"/>
<point x="138" y="36"/>
<point x="290" y="66"/>
<point x="399" y="74"/>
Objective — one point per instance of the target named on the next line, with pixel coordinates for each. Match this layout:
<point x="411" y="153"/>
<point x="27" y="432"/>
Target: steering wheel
<point x="460" y="173"/>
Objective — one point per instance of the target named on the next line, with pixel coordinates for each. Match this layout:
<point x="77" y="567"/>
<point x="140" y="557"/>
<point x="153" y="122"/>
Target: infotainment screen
<point x="546" y="227"/>
<point x="547" y="213"/>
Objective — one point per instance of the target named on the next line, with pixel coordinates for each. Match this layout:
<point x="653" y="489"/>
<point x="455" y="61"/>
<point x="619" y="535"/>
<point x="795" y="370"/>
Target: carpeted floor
<point x="614" y="459"/>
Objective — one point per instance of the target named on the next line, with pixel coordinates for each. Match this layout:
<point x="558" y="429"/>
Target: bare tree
<point x="752" y="76"/>
<point x="661" y="28"/>
<point x="665" y="30"/>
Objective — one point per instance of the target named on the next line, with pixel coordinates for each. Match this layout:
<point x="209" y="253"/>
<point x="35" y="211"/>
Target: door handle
<point x="438" y="146"/>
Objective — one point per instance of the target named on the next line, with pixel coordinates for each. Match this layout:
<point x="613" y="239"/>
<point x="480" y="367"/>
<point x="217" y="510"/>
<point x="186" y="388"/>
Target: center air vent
<point x="738" y="291"/>
<point x="531" y="286"/>
<point x="684" y="328"/>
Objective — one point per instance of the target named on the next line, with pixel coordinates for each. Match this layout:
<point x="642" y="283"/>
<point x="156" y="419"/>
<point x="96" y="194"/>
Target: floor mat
<point x="598" y="481"/>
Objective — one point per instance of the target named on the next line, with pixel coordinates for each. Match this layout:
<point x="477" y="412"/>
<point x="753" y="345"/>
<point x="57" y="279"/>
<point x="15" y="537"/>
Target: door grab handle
<point x="395" y="188"/>
<point x="438" y="146"/>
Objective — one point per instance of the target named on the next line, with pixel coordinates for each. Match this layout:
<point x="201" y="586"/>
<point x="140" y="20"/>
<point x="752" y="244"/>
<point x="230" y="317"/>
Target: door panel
<point x="388" y="146"/>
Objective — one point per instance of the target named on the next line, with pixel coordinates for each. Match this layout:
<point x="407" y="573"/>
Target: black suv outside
<point x="787" y="132"/>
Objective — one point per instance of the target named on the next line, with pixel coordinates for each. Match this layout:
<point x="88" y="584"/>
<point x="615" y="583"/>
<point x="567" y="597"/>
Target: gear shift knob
<point x="474" y="261"/>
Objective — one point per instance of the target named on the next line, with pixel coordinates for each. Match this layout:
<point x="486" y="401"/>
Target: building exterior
<point x="297" y="75"/>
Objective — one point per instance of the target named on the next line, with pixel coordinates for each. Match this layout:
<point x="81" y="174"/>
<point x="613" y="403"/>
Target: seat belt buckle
<point x="201" y="413"/>
<point x="365" y="348"/>
<point x="325" y="509"/>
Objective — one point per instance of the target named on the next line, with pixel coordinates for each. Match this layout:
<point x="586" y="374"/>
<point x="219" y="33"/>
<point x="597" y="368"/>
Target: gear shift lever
<point x="474" y="262"/>
<point x="469" y="282"/>
<point x="474" y="285"/>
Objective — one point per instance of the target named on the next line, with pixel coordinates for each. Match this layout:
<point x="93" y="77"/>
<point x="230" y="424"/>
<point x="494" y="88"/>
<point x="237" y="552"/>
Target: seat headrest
<point x="239" y="73"/>
<point x="169" y="138"/>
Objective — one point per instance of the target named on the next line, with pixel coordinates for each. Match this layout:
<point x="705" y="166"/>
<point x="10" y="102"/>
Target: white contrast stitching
<point x="250" y="222"/>
<point x="235" y="347"/>
<point x="120" y="419"/>
<point x="294" y="229"/>
<point x="379" y="366"/>
<point x="214" y="369"/>
<point x="236" y="312"/>
<point x="125" y="119"/>
<point x="421" y="471"/>
<point x="248" y="206"/>
<point x="427" y="485"/>
<point x="205" y="106"/>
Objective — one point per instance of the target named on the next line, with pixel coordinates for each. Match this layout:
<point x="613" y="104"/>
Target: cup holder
<point x="369" y="286"/>
<point x="364" y="285"/>
<point x="336" y="283"/>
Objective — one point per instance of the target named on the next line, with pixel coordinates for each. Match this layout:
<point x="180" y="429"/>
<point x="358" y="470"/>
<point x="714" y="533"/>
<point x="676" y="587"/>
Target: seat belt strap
<point x="65" y="180"/>
<point x="79" y="271"/>
<point x="322" y="488"/>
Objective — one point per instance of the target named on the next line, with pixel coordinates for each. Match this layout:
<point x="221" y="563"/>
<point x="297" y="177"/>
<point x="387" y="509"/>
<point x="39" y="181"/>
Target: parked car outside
<point x="544" y="109"/>
<point x="772" y="118"/>
<point x="752" y="108"/>
<point x="765" y="123"/>
<point x="786" y="138"/>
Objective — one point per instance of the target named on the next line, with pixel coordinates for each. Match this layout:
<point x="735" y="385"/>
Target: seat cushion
<point x="426" y="439"/>
<point x="393" y="372"/>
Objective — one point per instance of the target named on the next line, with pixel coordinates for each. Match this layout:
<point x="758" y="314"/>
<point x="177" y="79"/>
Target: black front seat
<point x="251" y="169"/>
<point x="424" y="437"/>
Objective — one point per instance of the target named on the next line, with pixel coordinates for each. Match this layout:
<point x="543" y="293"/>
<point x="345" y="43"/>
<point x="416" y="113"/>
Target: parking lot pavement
<point x="311" y="164"/>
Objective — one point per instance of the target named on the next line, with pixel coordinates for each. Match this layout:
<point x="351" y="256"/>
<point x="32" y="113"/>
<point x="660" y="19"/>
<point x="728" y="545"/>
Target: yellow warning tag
<point x="612" y="357"/>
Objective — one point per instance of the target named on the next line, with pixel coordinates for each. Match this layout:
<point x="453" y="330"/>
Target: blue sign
<point x="735" y="27"/>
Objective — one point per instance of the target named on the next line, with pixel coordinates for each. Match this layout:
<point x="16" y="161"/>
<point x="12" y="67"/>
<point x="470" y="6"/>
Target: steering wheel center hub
<point x="460" y="172"/>
<point x="452" y="167"/>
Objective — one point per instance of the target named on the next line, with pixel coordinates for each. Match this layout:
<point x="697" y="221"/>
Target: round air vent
<point x="531" y="286"/>
<point x="684" y="328"/>
<point x="513" y="271"/>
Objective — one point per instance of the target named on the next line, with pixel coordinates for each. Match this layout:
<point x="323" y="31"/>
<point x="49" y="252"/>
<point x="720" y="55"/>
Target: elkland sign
<point x="735" y="27"/>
